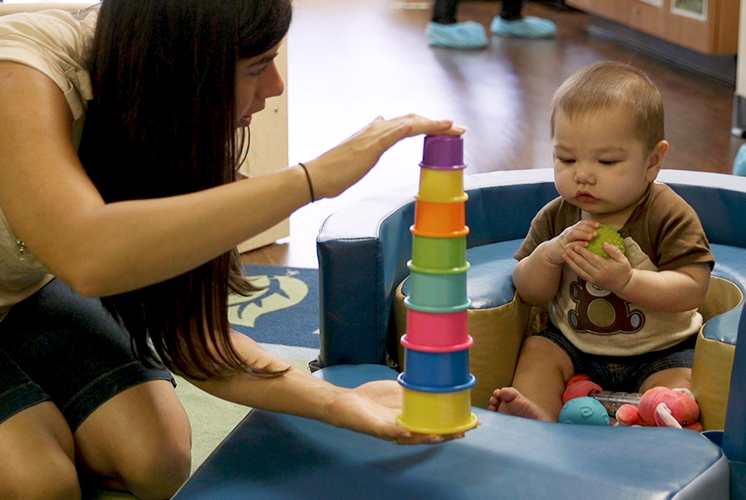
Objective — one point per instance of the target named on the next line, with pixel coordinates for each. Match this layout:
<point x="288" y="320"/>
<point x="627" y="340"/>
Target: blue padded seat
<point x="364" y="248"/>
<point x="716" y="344"/>
<point x="283" y="457"/>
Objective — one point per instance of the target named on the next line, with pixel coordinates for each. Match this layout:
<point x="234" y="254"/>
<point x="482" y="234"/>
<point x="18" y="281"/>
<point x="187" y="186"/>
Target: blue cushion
<point x="729" y="264"/>
<point x="274" y="456"/>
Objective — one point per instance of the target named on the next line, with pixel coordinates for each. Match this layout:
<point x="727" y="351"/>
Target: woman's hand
<point x="343" y="166"/>
<point x="372" y="409"/>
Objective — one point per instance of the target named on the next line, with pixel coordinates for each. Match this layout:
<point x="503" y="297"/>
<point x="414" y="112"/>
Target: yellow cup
<point x="437" y="412"/>
<point x="442" y="186"/>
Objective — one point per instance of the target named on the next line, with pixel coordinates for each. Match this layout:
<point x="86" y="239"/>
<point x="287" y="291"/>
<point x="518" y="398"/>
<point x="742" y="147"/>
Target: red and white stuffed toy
<point x="663" y="407"/>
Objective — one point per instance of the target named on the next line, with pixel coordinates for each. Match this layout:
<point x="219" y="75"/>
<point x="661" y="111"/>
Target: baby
<point x="629" y="321"/>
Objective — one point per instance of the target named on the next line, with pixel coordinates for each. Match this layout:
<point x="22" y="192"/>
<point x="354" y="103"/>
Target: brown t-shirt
<point x="663" y="233"/>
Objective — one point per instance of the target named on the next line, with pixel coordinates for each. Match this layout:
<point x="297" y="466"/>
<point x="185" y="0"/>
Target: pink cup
<point x="437" y="330"/>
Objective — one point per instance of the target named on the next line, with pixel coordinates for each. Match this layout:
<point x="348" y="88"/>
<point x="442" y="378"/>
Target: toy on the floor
<point x="581" y="386"/>
<point x="584" y="410"/>
<point x="663" y="407"/>
<point x="606" y="234"/>
<point x="657" y="407"/>
<point x="436" y="379"/>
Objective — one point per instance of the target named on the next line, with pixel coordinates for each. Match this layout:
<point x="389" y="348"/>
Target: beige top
<point x="663" y="233"/>
<point x="57" y="43"/>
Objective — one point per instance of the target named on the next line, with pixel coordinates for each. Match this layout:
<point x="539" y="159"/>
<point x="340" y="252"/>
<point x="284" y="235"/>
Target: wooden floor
<point x="352" y="60"/>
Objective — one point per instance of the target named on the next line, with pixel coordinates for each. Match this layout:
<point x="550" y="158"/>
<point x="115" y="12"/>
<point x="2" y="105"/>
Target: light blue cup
<point x="443" y="292"/>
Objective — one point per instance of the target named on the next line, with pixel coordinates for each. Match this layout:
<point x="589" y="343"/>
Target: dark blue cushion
<point x="273" y="456"/>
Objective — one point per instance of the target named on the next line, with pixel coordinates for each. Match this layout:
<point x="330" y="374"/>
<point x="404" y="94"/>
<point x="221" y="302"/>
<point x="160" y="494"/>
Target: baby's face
<point x="601" y="164"/>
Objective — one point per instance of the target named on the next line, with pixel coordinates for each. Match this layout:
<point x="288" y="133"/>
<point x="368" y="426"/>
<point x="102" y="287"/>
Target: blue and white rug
<point x="284" y="315"/>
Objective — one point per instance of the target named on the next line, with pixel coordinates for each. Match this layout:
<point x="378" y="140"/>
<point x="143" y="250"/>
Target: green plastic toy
<point x="606" y="234"/>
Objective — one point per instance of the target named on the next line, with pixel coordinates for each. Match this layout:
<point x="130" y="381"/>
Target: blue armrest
<point x="363" y="249"/>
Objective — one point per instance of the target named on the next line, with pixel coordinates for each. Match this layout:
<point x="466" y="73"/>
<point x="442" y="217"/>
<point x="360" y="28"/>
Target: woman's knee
<point x="158" y="470"/>
<point x="140" y="440"/>
<point x="37" y="460"/>
<point x="37" y="482"/>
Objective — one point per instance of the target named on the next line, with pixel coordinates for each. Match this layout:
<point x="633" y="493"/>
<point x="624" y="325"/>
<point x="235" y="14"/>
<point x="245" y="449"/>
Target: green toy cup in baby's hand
<point x="606" y="234"/>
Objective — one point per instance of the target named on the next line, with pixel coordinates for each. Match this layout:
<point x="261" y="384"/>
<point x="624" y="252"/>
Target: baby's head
<point x="607" y="85"/>
<point x="607" y="138"/>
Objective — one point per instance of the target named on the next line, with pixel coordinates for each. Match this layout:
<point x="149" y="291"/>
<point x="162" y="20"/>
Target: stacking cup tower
<point x="436" y="379"/>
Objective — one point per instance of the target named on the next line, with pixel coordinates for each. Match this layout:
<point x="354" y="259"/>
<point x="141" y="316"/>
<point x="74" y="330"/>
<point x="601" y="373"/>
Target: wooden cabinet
<point x="706" y="26"/>
<point x="268" y="151"/>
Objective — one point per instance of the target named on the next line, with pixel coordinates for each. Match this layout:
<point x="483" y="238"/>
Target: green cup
<point x="439" y="253"/>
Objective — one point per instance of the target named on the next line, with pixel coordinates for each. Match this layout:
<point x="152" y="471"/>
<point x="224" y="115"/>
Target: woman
<point x="144" y="214"/>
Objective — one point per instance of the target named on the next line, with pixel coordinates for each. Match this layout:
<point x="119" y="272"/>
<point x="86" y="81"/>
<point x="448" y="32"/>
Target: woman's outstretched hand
<point x="343" y="166"/>
<point x="372" y="409"/>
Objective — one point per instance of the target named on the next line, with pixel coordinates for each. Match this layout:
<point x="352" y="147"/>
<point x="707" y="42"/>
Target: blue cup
<point x="443" y="370"/>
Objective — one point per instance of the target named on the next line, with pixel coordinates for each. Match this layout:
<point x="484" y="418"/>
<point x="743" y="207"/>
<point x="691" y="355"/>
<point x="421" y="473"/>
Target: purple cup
<point x="443" y="152"/>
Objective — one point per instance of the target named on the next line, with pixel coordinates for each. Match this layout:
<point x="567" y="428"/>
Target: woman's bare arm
<point x="102" y="249"/>
<point x="371" y="408"/>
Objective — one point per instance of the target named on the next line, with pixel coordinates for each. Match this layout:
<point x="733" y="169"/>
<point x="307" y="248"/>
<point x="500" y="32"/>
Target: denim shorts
<point x="623" y="373"/>
<point x="62" y="347"/>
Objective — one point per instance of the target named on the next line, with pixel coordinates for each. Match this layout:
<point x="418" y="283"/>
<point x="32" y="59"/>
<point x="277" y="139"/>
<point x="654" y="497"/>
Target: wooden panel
<point x="693" y="33"/>
<point x="716" y="34"/>
<point x="269" y="151"/>
<point x="586" y="5"/>
<point x="616" y="10"/>
<point x="726" y="36"/>
<point x="649" y="18"/>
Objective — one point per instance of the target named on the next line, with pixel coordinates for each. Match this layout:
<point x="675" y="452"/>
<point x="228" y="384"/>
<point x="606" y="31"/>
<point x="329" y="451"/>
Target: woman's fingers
<point x="343" y="166"/>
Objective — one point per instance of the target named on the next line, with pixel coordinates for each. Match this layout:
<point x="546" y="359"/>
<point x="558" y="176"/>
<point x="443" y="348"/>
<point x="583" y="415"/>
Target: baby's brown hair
<point x="610" y="84"/>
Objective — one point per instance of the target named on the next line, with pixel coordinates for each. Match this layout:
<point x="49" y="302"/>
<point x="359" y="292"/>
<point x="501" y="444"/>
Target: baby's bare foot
<point x="511" y="402"/>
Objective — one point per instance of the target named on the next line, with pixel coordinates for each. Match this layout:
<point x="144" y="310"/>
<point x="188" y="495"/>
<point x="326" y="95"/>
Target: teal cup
<point x="439" y="253"/>
<point x="444" y="292"/>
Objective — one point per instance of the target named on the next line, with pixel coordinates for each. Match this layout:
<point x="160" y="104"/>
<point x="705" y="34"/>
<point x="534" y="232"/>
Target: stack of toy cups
<point x="436" y="379"/>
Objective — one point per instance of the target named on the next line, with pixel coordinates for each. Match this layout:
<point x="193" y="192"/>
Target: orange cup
<point x="440" y="220"/>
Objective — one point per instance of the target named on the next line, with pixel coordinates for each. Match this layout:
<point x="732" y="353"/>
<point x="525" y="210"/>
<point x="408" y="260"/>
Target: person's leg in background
<point x="511" y="22"/>
<point x="445" y="31"/>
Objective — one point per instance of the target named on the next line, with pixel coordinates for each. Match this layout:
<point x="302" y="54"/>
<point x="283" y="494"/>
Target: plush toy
<point x="658" y="407"/>
<point x="663" y="407"/>
<point x="579" y="386"/>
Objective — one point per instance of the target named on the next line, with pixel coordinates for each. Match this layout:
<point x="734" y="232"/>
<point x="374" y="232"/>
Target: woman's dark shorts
<point x="62" y="347"/>
<point x="623" y="373"/>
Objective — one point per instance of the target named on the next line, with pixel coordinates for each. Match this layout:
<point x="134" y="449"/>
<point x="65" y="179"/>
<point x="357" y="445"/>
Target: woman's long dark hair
<point x="162" y="123"/>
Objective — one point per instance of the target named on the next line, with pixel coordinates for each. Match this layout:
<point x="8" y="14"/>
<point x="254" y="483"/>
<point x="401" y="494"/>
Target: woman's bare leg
<point x="140" y="440"/>
<point x="37" y="456"/>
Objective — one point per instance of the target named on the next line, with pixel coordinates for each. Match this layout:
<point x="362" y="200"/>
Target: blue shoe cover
<point x="527" y="27"/>
<point x="466" y="35"/>
<point x="739" y="165"/>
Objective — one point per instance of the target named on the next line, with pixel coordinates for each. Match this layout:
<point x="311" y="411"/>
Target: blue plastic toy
<point x="584" y="411"/>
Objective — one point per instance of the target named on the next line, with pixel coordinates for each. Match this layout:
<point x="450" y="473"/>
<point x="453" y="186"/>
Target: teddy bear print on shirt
<point x="600" y="311"/>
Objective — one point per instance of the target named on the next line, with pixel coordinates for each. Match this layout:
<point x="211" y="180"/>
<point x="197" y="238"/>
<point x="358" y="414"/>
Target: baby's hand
<point x="611" y="274"/>
<point x="577" y="235"/>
